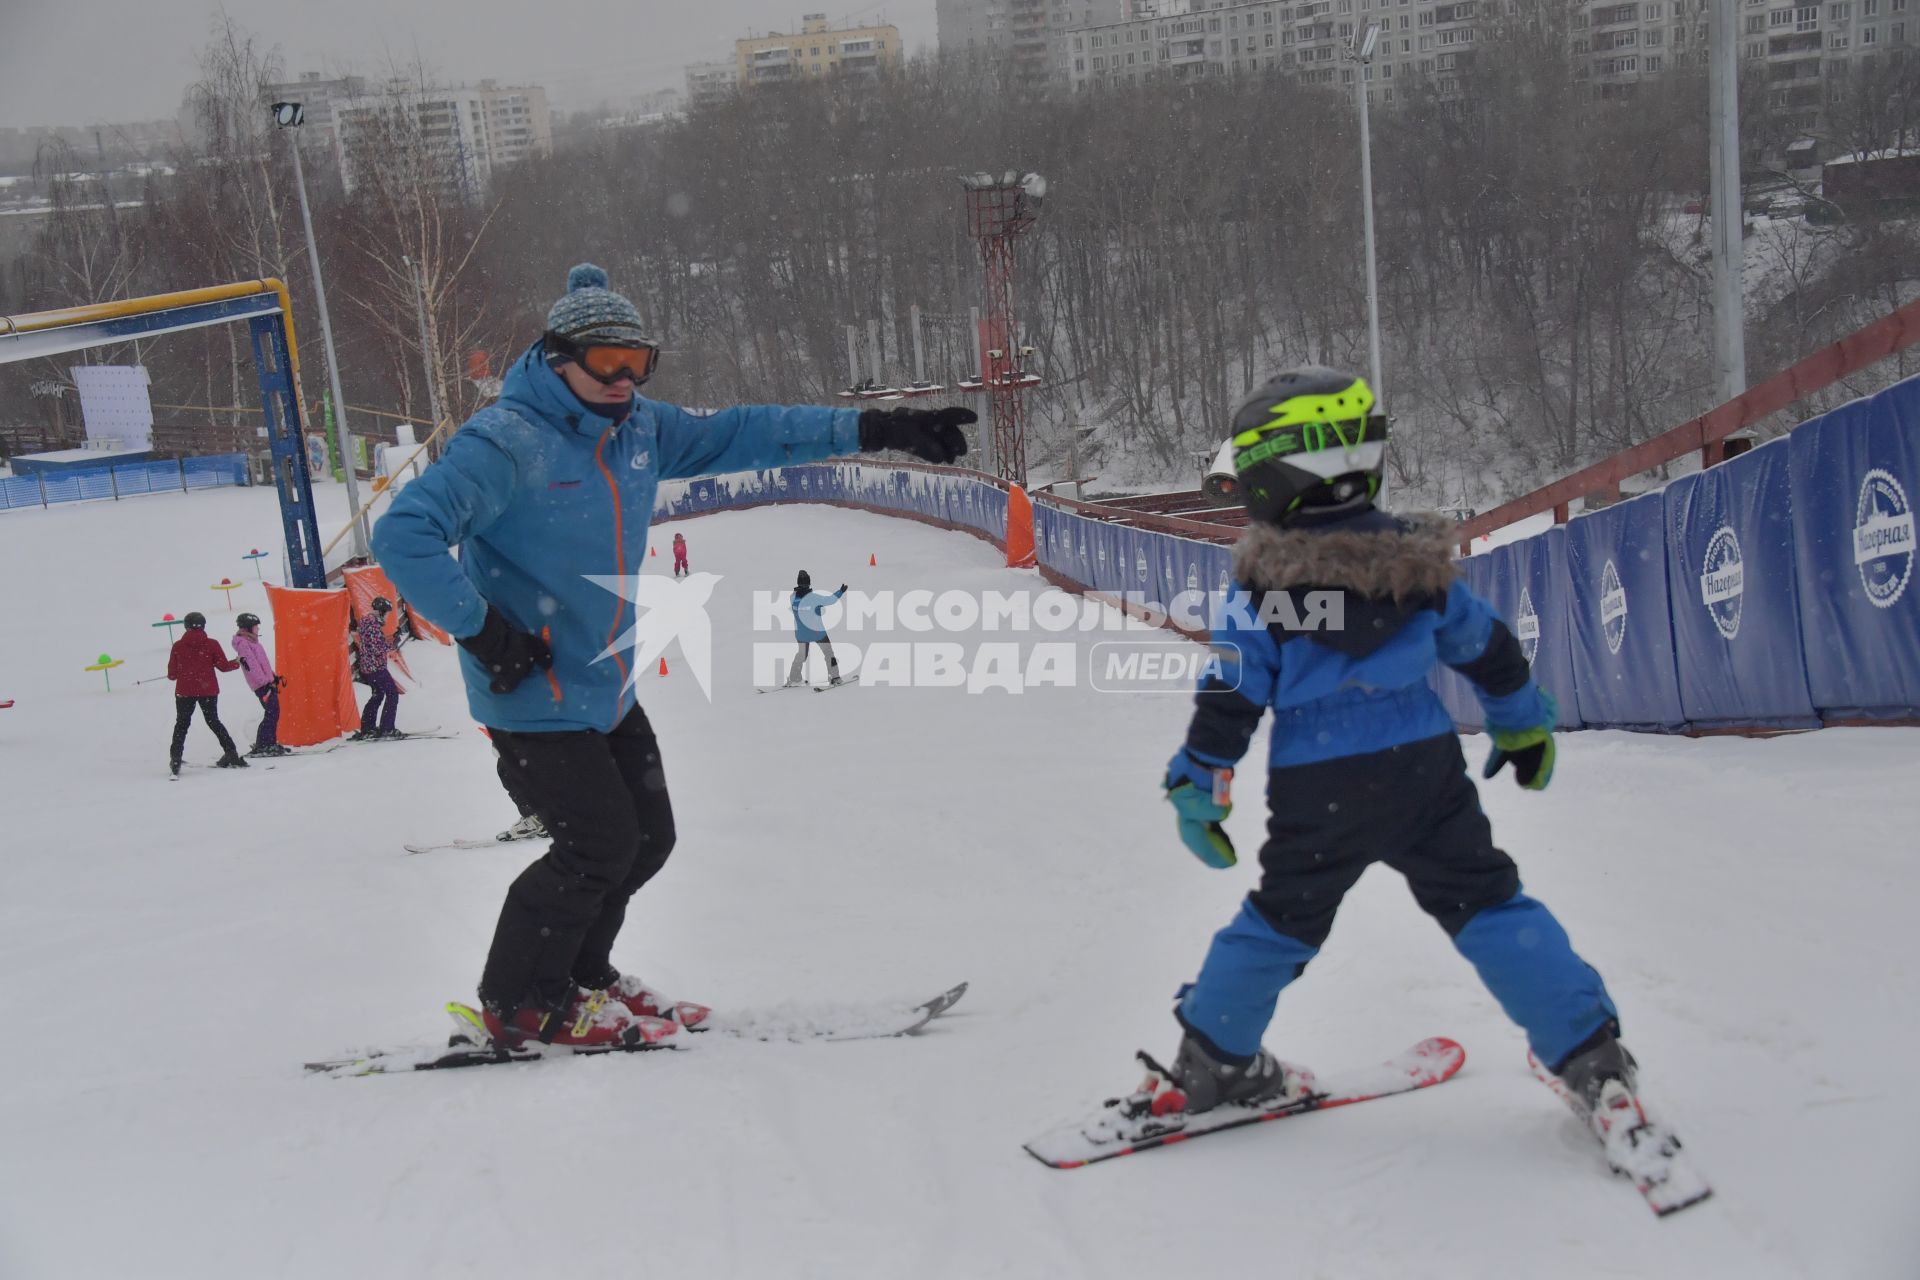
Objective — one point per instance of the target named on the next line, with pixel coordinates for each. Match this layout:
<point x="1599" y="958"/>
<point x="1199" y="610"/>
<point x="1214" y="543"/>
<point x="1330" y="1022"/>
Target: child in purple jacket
<point x="264" y="683"/>
<point x="374" y="648"/>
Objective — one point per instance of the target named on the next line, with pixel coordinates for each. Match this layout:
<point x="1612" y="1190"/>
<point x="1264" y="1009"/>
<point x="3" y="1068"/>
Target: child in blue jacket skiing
<point x="1364" y="764"/>
<point x="809" y="630"/>
<point x="548" y="493"/>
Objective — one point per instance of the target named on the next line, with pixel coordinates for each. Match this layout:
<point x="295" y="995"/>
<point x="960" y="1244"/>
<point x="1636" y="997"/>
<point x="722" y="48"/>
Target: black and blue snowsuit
<point x="1364" y="766"/>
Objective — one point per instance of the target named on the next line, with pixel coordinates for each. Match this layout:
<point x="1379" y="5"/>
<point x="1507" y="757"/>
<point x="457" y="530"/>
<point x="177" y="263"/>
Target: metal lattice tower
<point x="998" y="209"/>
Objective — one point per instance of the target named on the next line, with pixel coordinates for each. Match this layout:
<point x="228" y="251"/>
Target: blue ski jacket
<point x="1362" y="687"/>
<point x="807" y="626"/>
<point x="539" y="492"/>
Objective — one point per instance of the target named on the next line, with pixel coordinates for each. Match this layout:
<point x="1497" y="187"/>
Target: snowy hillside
<point x="170" y="953"/>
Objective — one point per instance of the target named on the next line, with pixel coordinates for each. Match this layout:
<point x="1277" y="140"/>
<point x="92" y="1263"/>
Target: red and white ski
<point x="1126" y="1125"/>
<point x="1636" y="1146"/>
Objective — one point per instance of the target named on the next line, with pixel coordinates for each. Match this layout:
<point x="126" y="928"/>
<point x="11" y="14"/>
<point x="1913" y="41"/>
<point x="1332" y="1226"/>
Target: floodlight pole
<point x="1361" y="51"/>
<point x="342" y="438"/>
<point x="1723" y="95"/>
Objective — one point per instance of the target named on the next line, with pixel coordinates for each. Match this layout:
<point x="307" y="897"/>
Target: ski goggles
<point x="606" y="364"/>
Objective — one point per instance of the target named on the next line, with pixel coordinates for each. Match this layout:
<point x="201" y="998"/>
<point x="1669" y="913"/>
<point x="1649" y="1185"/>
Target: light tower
<point x="998" y="209"/>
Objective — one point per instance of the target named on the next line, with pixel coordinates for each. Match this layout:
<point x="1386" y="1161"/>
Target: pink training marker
<point x="168" y="621"/>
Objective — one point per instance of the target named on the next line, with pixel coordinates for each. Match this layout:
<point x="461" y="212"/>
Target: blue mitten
<point x="1202" y="797"/>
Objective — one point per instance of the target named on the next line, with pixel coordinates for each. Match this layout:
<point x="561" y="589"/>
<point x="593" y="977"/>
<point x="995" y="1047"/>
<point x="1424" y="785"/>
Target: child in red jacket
<point x="192" y="667"/>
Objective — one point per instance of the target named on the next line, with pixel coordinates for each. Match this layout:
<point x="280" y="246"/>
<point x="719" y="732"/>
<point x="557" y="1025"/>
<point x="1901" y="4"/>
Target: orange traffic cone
<point x="653" y="551"/>
<point x="663" y="666"/>
<point x="873" y="562"/>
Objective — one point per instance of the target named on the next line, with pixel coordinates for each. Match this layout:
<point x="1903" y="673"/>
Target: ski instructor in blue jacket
<point x="551" y="485"/>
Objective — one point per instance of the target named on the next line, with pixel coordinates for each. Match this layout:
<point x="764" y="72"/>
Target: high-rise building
<point x="818" y="50"/>
<point x="470" y="131"/>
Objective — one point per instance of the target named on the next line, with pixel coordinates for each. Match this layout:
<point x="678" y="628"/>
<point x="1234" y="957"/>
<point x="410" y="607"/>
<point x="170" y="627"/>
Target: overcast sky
<point x="110" y="61"/>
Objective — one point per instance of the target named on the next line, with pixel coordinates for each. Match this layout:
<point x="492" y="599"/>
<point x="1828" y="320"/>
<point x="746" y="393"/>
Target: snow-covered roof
<point x="1886" y="153"/>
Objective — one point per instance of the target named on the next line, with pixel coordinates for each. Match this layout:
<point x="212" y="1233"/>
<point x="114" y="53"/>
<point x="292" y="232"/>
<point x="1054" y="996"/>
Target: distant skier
<point x="680" y="568"/>
<point x="544" y="491"/>
<point x="265" y="684"/>
<point x="809" y="630"/>
<point x="384" y="702"/>
<point x="193" y="666"/>
<point x="1364" y="765"/>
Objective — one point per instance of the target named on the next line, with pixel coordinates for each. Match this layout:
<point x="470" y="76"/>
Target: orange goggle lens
<point x="610" y="364"/>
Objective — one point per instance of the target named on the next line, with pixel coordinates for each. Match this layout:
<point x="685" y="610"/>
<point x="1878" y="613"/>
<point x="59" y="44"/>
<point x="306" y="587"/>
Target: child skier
<point x="192" y="665"/>
<point x="808" y="630"/>
<point x="264" y="683"/>
<point x="680" y="568"/>
<point x="374" y="651"/>
<point x="1364" y="765"/>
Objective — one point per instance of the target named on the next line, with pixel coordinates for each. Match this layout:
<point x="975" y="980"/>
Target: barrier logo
<point x="1613" y="608"/>
<point x="1527" y="625"/>
<point x="1722" y="580"/>
<point x="1193" y="577"/>
<point x="1883" y="542"/>
<point x="1140" y="565"/>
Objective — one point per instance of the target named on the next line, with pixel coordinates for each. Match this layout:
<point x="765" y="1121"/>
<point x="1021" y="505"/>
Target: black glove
<point x="509" y="655"/>
<point x="843" y="588"/>
<point x="933" y="434"/>
<point x="279" y="682"/>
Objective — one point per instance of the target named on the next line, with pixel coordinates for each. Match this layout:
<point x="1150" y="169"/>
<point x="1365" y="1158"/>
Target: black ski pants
<point x="1412" y="807"/>
<point x="603" y="798"/>
<point x="183" y="717"/>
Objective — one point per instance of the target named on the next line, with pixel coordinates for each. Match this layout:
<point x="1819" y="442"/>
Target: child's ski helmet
<point x="195" y="621"/>
<point x="247" y="621"/>
<point x="1308" y="438"/>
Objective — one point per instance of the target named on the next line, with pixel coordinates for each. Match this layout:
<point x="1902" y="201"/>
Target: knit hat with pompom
<point x="590" y="313"/>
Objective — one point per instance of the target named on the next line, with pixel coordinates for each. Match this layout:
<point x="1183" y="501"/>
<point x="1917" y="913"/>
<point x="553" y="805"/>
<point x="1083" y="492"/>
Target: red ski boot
<point x="643" y="1002"/>
<point x="590" y="1021"/>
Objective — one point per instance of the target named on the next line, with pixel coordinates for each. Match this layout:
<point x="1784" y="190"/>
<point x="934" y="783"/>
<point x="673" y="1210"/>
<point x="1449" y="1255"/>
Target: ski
<point x="408" y="736"/>
<point x="1638" y="1148"/>
<point x="469" y="1045"/>
<point x="471" y="844"/>
<point x="829" y="688"/>
<point x="782" y="688"/>
<point x="1127" y="1125"/>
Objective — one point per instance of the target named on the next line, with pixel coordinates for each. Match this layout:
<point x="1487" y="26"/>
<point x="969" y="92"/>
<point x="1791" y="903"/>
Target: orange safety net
<point x="1019" y="529"/>
<point x="310" y="651"/>
<point x="368" y="581"/>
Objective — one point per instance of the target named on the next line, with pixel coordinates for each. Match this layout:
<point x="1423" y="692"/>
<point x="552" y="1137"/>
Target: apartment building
<point x="817" y="50"/>
<point x="472" y="130"/>
<point x="710" y="81"/>
<point x="1419" y="38"/>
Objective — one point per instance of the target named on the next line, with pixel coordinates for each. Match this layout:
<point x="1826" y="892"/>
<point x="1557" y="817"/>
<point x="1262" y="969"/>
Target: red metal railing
<point x="1886" y="336"/>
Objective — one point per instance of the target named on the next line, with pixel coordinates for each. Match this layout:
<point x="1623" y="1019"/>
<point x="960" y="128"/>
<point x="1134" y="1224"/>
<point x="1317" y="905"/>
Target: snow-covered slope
<point x="171" y="953"/>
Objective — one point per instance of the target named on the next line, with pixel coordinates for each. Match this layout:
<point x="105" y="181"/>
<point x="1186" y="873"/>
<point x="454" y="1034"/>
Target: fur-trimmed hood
<point x="1407" y="565"/>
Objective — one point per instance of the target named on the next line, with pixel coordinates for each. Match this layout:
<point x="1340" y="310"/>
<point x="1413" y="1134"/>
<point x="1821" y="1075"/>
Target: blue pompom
<point x="586" y="276"/>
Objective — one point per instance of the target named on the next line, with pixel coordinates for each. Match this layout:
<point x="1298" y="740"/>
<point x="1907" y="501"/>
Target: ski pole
<point x="150" y="680"/>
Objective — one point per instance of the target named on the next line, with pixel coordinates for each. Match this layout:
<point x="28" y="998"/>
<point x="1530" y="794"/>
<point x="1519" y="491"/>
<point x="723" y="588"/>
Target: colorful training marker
<point x="229" y="586"/>
<point x="168" y="621"/>
<point x="256" y="555"/>
<point x="105" y="667"/>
